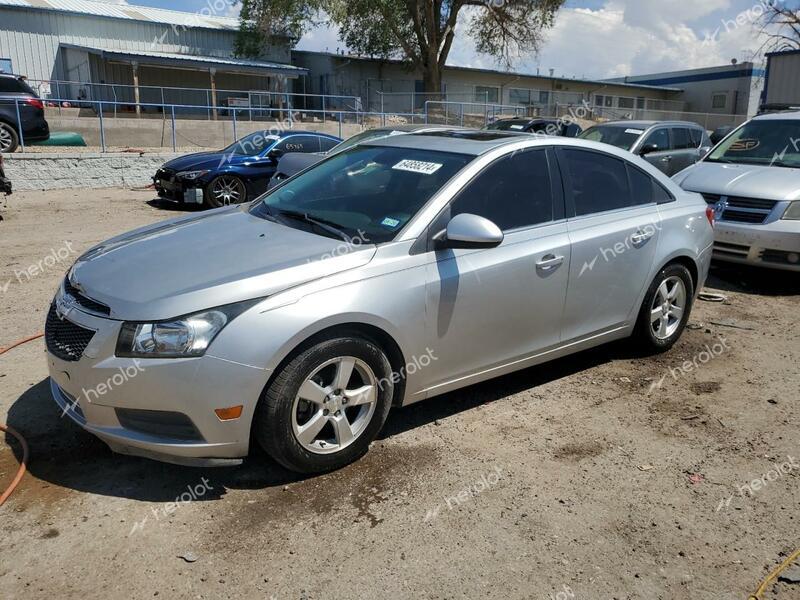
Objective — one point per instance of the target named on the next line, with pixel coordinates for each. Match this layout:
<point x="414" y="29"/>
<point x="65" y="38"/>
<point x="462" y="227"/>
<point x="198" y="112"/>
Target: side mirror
<point x="275" y="154"/>
<point x="648" y="148"/>
<point x="470" y="231"/>
<point x="705" y="151"/>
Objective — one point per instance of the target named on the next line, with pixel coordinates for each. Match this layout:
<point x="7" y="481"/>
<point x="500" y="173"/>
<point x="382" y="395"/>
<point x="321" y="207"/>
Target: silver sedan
<point x="396" y="271"/>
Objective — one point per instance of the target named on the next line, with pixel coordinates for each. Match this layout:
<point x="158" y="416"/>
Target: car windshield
<point x="508" y="125"/>
<point x="367" y="193"/>
<point x="621" y="137"/>
<point x="252" y="144"/>
<point x="369" y="134"/>
<point x="769" y="142"/>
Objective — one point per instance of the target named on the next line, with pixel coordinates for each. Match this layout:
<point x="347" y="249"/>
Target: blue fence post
<point x="323" y="109"/>
<point x="102" y="127"/>
<point x="340" y="126"/>
<point x="174" y="135"/>
<point x="19" y="126"/>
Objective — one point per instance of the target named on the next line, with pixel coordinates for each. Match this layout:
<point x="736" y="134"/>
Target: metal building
<point x="125" y="53"/>
<point x="782" y="86"/>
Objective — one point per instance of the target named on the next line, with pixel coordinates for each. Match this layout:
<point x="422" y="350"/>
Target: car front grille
<point x="742" y="210"/>
<point x="85" y="301"/>
<point x="65" y="339"/>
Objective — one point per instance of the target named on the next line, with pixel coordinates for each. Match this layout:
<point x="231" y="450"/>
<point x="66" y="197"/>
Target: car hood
<point x="749" y="181"/>
<point x="215" y="258"/>
<point x="197" y="161"/>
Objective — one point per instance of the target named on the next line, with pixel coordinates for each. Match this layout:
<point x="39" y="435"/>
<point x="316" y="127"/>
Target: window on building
<point x="609" y="101"/>
<point x="598" y="182"/>
<point x="598" y="100"/>
<point x="719" y="100"/>
<point x="518" y="96"/>
<point x="485" y="93"/>
<point x="544" y="97"/>
<point x="512" y="192"/>
<point x="626" y="102"/>
<point x="640" y="103"/>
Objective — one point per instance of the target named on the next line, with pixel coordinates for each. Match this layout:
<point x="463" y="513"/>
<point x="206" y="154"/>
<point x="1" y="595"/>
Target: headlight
<point x="793" y="212"/>
<point x="183" y="337"/>
<point x="191" y="174"/>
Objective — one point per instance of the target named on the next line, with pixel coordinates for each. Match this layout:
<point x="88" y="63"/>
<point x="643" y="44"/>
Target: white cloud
<point x="623" y="37"/>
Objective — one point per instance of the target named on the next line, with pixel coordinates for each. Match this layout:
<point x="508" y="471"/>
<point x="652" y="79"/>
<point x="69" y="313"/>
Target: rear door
<point x="614" y="229"/>
<point x="684" y="149"/>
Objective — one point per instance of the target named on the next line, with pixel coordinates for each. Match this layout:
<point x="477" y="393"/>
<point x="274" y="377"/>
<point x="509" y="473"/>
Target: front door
<point x="487" y="308"/>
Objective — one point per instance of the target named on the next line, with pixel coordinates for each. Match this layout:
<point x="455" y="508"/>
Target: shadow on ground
<point x="64" y="455"/>
<point x="753" y="280"/>
<point x="174" y="206"/>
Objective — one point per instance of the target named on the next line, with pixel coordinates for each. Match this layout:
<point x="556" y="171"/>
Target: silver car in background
<point x="393" y="272"/>
<point x="670" y="146"/>
<point x="752" y="181"/>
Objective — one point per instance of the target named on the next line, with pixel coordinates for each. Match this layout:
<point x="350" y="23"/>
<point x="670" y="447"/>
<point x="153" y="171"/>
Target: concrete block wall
<point x="62" y="170"/>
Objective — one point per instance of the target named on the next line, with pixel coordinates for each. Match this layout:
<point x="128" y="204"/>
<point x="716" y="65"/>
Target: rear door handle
<point x="640" y="237"/>
<point x="549" y="262"/>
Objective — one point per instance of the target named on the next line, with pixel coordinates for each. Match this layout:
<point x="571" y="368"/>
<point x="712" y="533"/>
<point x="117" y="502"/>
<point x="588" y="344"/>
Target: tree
<point x="420" y="32"/>
<point x="780" y="25"/>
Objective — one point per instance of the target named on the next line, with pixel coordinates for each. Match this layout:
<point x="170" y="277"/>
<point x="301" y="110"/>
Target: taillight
<point x="710" y="215"/>
<point x="35" y="102"/>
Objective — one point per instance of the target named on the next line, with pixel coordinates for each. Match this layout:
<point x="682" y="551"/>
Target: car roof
<point x="779" y="116"/>
<point x="648" y="124"/>
<point x="465" y="141"/>
<point x="412" y="128"/>
<point x="284" y="134"/>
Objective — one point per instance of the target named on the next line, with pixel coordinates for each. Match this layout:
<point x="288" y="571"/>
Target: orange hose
<point x="25" y="452"/>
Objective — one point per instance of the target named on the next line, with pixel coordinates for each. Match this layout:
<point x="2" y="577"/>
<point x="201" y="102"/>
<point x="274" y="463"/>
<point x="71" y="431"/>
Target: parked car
<point x="720" y="133"/>
<point x="670" y="146"/>
<point x="237" y="173"/>
<point x="541" y="126"/>
<point x="398" y="270"/>
<point x="294" y="162"/>
<point x="5" y="184"/>
<point x="16" y="93"/>
<point x="752" y="180"/>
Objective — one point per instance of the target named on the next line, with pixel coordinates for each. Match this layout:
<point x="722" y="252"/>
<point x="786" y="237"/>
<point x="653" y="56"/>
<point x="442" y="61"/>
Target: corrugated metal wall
<point x="784" y="79"/>
<point x="30" y="38"/>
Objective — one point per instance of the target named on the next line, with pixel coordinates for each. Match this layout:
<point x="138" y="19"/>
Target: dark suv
<point x="15" y="92"/>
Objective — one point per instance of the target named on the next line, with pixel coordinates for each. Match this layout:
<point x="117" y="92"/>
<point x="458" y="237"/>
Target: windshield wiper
<point x="323" y="224"/>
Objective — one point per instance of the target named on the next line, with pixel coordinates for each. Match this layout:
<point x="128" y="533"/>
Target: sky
<point x="603" y="38"/>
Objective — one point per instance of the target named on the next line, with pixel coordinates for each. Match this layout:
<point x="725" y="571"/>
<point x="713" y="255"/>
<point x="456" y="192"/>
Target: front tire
<point x="9" y="140"/>
<point x="666" y="309"/>
<point x="224" y="190"/>
<point x="326" y="405"/>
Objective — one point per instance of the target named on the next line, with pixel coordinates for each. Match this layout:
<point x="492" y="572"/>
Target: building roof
<point x="739" y="70"/>
<point x="147" y="57"/>
<point x="99" y="8"/>
<point x="499" y="72"/>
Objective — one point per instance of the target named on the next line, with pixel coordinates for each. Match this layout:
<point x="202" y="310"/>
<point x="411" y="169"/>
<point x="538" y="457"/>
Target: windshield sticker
<point x="635" y="131"/>
<point x="390" y="222"/>
<point x="744" y="145"/>
<point x="517" y="127"/>
<point x="418" y="166"/>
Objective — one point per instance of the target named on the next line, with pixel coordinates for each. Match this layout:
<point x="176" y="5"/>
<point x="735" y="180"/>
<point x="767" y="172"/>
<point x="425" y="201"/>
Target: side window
<point x="645" y="189"/>
<point x="326" y="144"/>
<point x="681" y="138"/>
<point x="697" y="137"/>
<point x="659" y="138"/>
<point x="299" y="143"/>
<point x="512" y="192"/>
<point x="597" y="182"/>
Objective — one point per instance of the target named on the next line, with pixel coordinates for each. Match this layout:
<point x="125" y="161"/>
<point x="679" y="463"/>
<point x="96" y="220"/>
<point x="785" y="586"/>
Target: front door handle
<point x="549" y="262"/>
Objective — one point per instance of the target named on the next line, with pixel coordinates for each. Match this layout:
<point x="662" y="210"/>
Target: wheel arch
<point x="687" y="261"/>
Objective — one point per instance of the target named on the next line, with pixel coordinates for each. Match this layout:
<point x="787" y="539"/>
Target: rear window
<point x="16" y="86"/>
<point x="619" y="136"/>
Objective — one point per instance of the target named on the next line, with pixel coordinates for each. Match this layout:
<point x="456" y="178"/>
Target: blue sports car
<point x="236" y="174"/>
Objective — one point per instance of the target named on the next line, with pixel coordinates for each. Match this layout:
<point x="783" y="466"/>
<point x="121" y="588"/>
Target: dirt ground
<point x="602" y="475"/>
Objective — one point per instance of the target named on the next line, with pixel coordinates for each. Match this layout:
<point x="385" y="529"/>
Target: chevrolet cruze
<point x="395" y="271"/>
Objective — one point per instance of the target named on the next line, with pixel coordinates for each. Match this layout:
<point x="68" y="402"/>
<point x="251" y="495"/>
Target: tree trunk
<point x="432" y="80"/>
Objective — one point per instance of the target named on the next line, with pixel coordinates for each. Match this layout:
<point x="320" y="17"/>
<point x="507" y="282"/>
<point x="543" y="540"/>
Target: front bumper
<point x="98" y="388"/>
<point x="169" y="187"/>
<point x="775" y="245"/>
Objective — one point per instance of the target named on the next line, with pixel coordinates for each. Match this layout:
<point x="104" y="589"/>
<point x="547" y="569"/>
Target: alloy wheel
<point x="668" y="307"/>
<point x="228" y="190"/>
<point x="334" y="405"/>
<point x="6" y="138"/>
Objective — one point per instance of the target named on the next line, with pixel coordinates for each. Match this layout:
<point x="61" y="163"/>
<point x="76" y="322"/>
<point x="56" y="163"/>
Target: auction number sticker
<point x="635" y="131"/>
<point x="418" y="166"/>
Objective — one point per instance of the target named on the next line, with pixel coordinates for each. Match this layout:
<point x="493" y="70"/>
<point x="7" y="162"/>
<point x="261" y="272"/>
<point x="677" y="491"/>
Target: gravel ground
<point x="602" y="475"/>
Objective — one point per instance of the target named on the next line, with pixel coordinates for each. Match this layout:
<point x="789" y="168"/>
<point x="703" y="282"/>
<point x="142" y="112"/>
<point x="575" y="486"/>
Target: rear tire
<point x="9" y="140"/>
<point x="326" y="405"/>
<point x="665" y="310"/>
